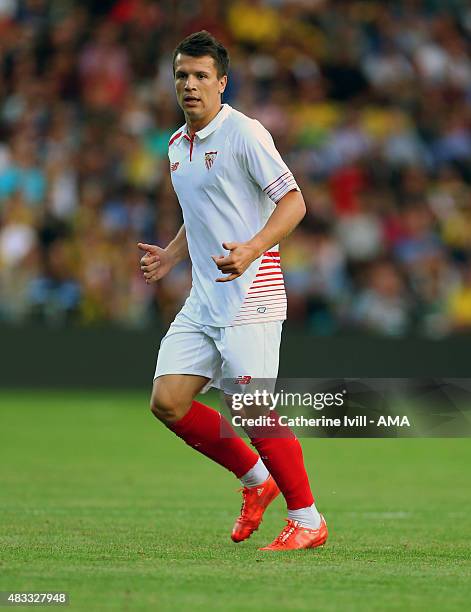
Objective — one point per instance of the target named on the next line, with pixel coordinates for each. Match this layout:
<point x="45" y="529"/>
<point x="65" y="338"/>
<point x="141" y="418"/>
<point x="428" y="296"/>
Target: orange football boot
<point x="295" y="537"/>
<point x="255" y="501"/>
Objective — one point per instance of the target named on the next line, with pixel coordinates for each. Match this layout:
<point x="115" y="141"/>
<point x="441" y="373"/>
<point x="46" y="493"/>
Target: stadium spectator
<point x="370" y="106"/>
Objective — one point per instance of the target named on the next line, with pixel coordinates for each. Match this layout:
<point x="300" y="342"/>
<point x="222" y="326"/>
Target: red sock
<point x="284" y="460"/>
<point x="201" y="428"/>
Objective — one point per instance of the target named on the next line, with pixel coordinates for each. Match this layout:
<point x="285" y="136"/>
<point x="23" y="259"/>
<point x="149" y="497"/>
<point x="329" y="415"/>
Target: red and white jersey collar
<point x="210" y="128"/>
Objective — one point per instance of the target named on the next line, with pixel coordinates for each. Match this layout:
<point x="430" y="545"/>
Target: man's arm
<point x="157" y="262"/>
<point x="288" y="213"/>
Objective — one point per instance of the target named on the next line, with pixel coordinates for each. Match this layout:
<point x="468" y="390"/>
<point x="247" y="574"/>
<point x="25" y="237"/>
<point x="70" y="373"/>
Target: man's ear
<point x="222" y="83"/>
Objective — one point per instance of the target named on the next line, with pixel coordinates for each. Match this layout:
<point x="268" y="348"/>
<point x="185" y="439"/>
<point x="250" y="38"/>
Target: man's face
<point x="198" y="87"/>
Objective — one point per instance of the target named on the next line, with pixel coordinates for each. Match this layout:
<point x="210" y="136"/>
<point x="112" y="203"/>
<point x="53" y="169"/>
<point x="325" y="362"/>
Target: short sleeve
<point x="256" y="151"/>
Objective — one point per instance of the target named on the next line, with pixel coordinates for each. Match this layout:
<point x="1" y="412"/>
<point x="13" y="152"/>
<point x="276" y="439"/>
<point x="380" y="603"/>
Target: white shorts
<point x="220" y="353"/>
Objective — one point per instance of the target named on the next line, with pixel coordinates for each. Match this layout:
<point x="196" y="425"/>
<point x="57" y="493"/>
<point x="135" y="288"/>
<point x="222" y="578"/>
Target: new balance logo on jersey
<point x="174" y="166"/>
<point x="243" y="380"/>
<point x="209" y="158"/>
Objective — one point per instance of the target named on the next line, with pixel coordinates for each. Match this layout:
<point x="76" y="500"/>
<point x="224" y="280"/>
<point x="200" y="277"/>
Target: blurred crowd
<point x="369" y="103"/>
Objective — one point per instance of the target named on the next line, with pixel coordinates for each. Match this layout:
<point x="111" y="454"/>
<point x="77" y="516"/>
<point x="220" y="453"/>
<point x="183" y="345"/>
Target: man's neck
<point x="202" y="123"/>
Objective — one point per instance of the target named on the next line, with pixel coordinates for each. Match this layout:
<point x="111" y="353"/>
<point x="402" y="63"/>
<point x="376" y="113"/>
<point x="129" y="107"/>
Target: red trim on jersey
<point x="270" y="304"/>
<point x="270" y="285"/>
<point x="279" y="292"/>
<point x="268" y="281"/>
<point x="266" y="294"/>
<point x="280" y="186"/>
<point x="294" y="188"/>
<point x="172" y="140"/>
<point x="277" y="188"/>
<point x="273" y="312"/>
<point x="267" y="273"/>
<point x="276" y="180"/>
<point x="291" y="184"/>
<point x="261" y="317"/>
<point x="276" y="296"/>
<point x="276" y="292"/>
<point x="191" y="140"/>
<point x="265" y="280"/>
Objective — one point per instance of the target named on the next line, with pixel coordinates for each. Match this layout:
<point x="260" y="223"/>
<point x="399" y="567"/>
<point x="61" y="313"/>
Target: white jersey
<point x="228" y="178"/>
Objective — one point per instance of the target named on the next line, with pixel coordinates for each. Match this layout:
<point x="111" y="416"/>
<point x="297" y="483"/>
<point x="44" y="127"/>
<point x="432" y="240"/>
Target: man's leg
<point x="200" y="426"/>
<point x="187" y="348"/>
<point x="253" y="350"/>
<point x="283" y="457"/>
<point x="282" y="454"/>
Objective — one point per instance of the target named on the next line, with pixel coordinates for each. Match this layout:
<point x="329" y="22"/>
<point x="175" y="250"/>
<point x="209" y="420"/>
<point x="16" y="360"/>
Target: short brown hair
<point x="203" y="43"/>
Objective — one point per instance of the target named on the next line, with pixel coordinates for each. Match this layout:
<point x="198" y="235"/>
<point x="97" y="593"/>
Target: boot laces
<point x="286" y="532"/>
<point x="244" y="491"/>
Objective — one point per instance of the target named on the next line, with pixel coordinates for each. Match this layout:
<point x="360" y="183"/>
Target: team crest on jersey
<point x="174" y="166"/>
<point x="209" y="158"/>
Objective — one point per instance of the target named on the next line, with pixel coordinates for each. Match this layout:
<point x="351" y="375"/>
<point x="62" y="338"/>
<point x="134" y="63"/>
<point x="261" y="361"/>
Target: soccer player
<point x="235" y="192"/>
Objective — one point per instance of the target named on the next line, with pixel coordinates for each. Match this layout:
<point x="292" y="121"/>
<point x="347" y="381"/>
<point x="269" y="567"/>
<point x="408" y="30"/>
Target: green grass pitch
<point x="100" y="500"/>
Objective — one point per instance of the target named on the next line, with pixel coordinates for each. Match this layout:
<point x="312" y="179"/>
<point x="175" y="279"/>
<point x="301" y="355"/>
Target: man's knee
<point x="167" y="405"/>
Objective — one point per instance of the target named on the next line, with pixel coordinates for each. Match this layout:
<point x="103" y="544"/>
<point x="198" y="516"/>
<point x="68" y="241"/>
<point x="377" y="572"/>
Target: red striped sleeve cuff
<point x="281" y="186"/>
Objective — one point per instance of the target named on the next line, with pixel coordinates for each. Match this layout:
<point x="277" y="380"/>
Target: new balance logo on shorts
<point x="243" y="380"/>
<point x="174" y="166"/>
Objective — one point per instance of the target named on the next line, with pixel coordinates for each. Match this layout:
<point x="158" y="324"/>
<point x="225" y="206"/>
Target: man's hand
<point x="156" y="262"/>
<point x="236" y="263"/>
